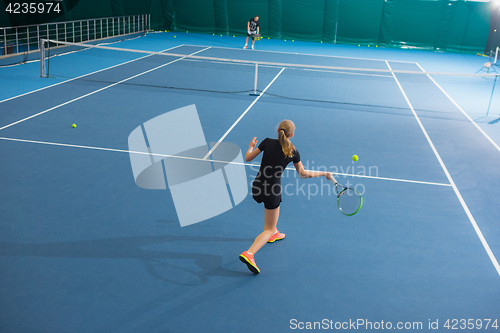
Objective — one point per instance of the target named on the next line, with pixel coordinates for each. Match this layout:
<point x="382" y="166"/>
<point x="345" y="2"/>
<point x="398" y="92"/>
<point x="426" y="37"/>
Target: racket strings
<point x="349" y="201"/>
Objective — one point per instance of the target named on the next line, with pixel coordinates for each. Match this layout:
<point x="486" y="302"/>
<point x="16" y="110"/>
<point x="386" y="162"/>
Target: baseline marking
<point x="450" y="179"/>
<point x="201" y="159"/>
<point x="76" y="78"/>
<point x="463" y="112"/>
<point x="98" y="90"/>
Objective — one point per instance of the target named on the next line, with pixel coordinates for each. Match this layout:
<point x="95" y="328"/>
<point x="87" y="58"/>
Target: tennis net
<point x="185" y="69"/>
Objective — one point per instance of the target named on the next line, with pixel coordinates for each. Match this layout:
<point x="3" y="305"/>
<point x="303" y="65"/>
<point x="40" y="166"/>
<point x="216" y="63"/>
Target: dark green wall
<point x="457" y="26"/>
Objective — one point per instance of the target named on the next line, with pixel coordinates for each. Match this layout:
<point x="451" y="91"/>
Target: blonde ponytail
<point x="285" y="130"/>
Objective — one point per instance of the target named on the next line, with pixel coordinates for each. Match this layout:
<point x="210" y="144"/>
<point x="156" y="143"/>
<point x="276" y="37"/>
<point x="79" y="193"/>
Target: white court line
<point x="242" y="115"/>
<point x="307" y="54"/>
<point x="201" y="159"/>
<point x="302" y="69"/>
<point x="98" y="90"/>
<point x="450" y="179"/>
<point x="463" y="112"/>
<point x="76" y="78"/>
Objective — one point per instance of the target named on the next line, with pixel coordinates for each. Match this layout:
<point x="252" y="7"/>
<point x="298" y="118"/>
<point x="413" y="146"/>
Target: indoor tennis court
<point x="83" y="248"/>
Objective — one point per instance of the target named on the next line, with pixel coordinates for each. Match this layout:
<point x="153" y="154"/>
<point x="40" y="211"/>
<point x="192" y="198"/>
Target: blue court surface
<point x="84" y="249"/>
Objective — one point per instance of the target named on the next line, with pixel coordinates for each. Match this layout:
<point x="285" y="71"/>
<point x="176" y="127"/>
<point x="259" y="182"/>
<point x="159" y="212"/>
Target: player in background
<point x="252" y="29"/>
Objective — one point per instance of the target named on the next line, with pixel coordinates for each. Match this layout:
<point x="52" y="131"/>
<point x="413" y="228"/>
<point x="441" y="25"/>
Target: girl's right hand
<point x="252" y="143"/>
<point x="329" y="176"/>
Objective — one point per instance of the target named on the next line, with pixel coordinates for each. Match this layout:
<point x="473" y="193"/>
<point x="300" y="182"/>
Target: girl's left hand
<point x="252" y="143"/>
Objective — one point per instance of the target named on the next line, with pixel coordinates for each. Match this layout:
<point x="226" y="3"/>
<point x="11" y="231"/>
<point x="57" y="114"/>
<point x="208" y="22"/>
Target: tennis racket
<point x="348" y="199"/>
<point x="257" y="36"/>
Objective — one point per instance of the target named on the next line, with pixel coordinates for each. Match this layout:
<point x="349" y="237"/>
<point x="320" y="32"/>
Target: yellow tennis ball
<point x="74" y="125"/>
<point x="175" y="36"/>
<point x="293" y="40"/>
<point x="285" y="40"/>
<point x="359" y="45"/>
<point x="321" y="41"/>
<point x="355" y="158"/>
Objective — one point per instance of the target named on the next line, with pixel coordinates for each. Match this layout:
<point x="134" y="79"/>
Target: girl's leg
<point x="270" y="221"/>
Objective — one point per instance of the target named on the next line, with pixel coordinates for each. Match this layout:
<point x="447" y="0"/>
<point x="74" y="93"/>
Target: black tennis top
<point x="253" y="24"/>
<point x="274" y="161"/>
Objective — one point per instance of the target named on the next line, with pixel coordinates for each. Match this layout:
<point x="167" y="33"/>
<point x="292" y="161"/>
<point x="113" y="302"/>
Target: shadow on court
<point x="494" y="121"/>
<point x="158" y="263"/>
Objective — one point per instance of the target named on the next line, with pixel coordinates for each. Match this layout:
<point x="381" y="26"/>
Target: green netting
<point x="457" y="26"/>
<point x="414" y="23"/>
<point x="330" y="21"/>
<point x="359" y="21"/>
<point x="162" y="15"/>
<point x="451" y="25"/>
<point x="195" y="15"/>
<point x="238" y="14"/>
<point x="470" y="27"/>
<point x="303" y="19"/>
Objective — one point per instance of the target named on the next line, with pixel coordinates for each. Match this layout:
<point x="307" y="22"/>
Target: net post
<point x="255" y="80"/>
<point x="256" y="76"/>
<point x="496" y="55"/>
<point x="149" y="21"/>
<point x="41" y="45"/>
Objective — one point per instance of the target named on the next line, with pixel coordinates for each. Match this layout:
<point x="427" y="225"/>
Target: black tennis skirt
<point x="266" y="192"/>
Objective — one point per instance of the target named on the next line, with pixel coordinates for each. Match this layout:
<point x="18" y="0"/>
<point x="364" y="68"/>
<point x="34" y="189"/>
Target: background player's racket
<point x="348" y="199"/>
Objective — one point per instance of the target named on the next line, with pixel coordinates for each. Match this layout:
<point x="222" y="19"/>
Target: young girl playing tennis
<point x="266" y="187"/>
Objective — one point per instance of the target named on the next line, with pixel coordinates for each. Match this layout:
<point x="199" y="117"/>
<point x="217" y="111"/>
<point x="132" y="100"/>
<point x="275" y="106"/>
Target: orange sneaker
<point x="276" y="237"/>
<point x="248" y="259"/>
